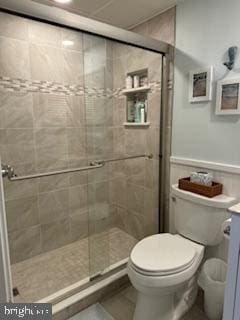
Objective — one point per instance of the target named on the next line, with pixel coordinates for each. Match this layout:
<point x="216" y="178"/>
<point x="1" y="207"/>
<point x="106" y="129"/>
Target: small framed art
<point x="200" y="85"/>
<point x="228" y="97"/>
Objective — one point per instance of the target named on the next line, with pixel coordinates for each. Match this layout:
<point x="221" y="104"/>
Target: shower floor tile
<point x="47" y="273"/>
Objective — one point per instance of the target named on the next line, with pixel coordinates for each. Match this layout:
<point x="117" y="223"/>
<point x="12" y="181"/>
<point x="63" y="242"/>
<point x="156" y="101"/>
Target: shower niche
<point x="136" y="91"/>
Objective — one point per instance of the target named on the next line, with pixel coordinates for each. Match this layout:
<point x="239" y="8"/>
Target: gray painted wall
<point x="204" y="31"/>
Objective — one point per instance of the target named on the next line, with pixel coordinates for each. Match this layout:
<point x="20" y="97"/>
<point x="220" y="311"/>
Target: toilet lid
<point x="163" y="254"/>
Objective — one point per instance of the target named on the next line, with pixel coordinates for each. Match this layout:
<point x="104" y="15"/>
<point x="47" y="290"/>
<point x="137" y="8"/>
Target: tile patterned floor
<point x="47" y="273"/>
<point x="122" y="305"/>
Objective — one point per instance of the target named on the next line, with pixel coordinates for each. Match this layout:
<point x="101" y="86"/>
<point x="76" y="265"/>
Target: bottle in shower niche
<point x="131" y="111"/>
<point x="142" y="113"/>
<point x="136" y="80"/>
<point x="139" y="112"/>
<point x="129" y="82"/>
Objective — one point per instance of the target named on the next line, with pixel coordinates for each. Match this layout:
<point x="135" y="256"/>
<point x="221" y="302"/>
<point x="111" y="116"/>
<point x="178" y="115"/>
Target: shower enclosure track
<point x="8" y="171"/>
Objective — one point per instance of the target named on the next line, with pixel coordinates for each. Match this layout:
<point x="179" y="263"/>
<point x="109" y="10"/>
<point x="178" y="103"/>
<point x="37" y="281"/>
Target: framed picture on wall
<point x="228" y="97"/>
<point x="200" y="85"/>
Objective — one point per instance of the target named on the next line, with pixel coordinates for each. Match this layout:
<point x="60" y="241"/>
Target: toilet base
<point x="166" y="307"/>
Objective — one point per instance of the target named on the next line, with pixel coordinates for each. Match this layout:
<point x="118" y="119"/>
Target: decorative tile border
<point x="49" y="87"/>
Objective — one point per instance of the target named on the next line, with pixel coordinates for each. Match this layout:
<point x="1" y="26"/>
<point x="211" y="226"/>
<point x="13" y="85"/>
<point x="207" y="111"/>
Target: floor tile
<point x="119" y="307"/>
<point x="95" y="312"/>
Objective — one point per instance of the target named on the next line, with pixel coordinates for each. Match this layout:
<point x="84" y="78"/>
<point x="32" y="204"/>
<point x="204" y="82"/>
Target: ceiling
<point x="120" y="13"/>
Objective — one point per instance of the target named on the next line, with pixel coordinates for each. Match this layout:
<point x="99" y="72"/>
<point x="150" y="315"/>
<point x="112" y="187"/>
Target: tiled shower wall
<point x="162" y="27"/>
<point x="60" y="108"/>
<point x="134" y="186"/>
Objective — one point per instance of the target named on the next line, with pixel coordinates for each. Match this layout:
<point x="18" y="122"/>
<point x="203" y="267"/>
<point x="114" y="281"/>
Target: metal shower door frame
<point x="5" y="269"/>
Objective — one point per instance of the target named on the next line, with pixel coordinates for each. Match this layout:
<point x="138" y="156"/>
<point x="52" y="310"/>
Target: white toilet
<point x="163" y="267"/>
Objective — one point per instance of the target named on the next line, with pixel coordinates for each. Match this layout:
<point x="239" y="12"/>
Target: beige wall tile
<point x="99" y="141"/>
<point x="14" y="58"/>
<point x="48" y="137"/>
<point x="98" y="193"/>
<point x="152" y="173"/>
<point x="76" y="138"/>
<point x="134" y="224"/>
<point x="79" y="224"/>
<point x="50" y="158"/>
<point x="135" y="171"/>
<point x="135" y="141"/>
<point x="47" y="63"/>
<point x="20" y="189"/>
<point x="16" y="110"/>
<point x="119" y="140"/>
<point x="153" y="141"/>
<point x="55" y="234"/>
<point x="135" y="198"/>
<point x="75" y="111"/>
<point x="119" y="111"/>
<point x="56" y="182"/>
<point x="99" y="111"/>
<point x="71" y="35"/>
<point x="49" y="110"/>
<point x="118" y="192"/>
<point x="77" y="178"/>
<point x="53" y="206"/>
<point x="154" y="108"/>
<point x="43" y="33"/>
<point x="13" y="27"/>
<point x="22" y="213"/>
<point x="24" y="244"/>
<point x="73" y="67"/>
<point x="78" y="199"/>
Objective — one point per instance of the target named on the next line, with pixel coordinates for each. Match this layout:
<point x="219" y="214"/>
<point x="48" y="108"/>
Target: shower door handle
<point x="7" y="171"/>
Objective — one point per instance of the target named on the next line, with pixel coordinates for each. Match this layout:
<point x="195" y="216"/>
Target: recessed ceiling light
<point x="63" y="1"/>
<point x="68" y="43"/>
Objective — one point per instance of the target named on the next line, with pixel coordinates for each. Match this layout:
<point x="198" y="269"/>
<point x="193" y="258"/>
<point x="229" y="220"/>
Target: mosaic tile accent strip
<point x="49" y="87"/>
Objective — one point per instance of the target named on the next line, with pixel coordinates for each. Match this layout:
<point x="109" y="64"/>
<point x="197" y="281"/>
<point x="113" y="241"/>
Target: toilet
<point x="163" y="268"/>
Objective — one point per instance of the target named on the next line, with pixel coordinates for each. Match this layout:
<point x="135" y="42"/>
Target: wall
<point x="204" y="31"/>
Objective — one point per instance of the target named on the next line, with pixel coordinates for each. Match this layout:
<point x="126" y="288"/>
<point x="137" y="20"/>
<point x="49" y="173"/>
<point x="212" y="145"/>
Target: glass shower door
<point x="99" y="121"/>
<point x="123" y="195"/>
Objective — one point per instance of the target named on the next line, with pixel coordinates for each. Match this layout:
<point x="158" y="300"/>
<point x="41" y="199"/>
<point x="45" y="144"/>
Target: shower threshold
<point x="51" y="276"/>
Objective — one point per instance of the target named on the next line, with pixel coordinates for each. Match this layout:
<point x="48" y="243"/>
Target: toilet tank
<point x="200" y="218"/>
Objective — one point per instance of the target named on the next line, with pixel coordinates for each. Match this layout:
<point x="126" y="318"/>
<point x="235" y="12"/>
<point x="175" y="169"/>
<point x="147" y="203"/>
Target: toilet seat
<point x="163" y="254"/>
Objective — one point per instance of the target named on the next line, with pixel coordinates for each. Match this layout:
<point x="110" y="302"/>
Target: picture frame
<point x="200" y="85"/>
<point x="228" y="97"/>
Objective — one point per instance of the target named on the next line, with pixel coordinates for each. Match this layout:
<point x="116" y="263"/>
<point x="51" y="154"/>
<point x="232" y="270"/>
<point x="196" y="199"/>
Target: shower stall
<point x="80" y="179"/>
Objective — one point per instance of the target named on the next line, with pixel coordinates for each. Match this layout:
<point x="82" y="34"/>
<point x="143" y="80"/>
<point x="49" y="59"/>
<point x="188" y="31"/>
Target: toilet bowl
<point x="165" y="282"/>
<point x="164" y="267"/>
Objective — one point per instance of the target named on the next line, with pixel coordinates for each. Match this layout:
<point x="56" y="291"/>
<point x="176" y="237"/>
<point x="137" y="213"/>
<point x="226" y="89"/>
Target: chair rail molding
<point x="216" y="166"/>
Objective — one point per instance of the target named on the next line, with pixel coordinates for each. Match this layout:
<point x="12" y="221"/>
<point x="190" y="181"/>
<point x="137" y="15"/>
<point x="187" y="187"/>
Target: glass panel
<point x="42" y="128"/>
<point x="99" y="121"/>
<point x="123" y="196"/>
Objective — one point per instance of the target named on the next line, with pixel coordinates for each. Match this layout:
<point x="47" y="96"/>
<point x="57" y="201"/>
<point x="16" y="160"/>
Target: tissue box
<point x="201" y="178"/>
<point x="207" y="191"/>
